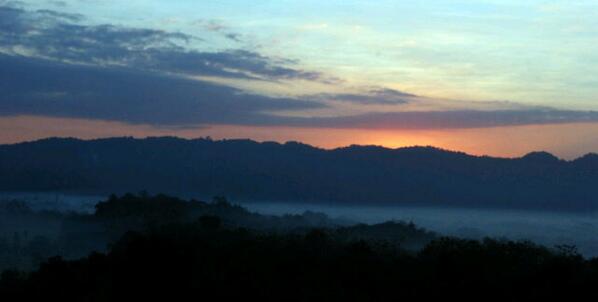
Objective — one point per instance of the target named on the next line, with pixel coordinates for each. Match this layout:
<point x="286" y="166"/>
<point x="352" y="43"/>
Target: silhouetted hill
<point x="28" y="237"/>
<point x="206" y="262"/>
<point x="247" y="170"/>
<point x="541" y="158"/>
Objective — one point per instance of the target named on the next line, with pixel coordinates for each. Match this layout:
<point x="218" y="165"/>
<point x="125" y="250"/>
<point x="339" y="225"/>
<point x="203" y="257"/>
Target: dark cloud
<point x="60" y="15"/>
<point x="233" y="36"/>
<point x="457" y="119"/>
<point x="219" y="27"/>
<point x="40" y="87"/>
<point x="46" y="88"/>
<point x="378" y="96"/>
<point x="391" y="93"/>
<point x="57" y="36"/>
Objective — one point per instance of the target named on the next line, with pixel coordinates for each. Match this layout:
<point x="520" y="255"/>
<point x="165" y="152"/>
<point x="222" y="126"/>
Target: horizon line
<point x="209" y="138"/>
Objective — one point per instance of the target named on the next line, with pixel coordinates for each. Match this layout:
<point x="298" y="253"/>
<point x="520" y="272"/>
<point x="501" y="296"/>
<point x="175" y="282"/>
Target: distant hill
<point x="248" y="170"/>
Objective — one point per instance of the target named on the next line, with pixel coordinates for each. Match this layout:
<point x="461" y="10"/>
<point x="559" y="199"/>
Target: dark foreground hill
<point x="28" y="237"/>
<point x="247" y="170"/>
<point x="204" y="259"/>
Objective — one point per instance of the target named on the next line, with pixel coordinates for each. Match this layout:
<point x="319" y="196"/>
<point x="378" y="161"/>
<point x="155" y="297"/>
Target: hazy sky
<point x="486" y="77"/>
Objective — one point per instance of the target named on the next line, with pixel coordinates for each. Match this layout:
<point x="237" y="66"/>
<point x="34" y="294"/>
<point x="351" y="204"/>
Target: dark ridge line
<point x="532" y="155"/>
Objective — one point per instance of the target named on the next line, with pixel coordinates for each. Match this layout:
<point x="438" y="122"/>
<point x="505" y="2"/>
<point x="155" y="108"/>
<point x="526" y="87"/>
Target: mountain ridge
<point x="248" y="170"/>
<point x="298" y="143"/>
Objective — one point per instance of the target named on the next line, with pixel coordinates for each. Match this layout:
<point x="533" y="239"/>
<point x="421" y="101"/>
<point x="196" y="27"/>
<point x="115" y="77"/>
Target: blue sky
<point x="358" y="65"/>
<point x="537" y="52"/>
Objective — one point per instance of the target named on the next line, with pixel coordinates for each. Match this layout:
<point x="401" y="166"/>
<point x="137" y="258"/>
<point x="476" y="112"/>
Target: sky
<point x="487" y="77"/>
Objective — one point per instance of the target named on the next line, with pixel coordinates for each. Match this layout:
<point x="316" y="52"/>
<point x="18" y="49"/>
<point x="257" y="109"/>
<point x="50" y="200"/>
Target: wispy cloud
<point x="59" y="36"/>
<point x="60" y="15"/>
<point x="377" y="96"/>
<point x="455" y="119"/>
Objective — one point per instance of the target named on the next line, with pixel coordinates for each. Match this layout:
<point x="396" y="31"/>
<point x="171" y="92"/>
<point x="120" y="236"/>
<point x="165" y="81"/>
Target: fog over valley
<point x="543" y="227"/>
<point x="549" y="228"/>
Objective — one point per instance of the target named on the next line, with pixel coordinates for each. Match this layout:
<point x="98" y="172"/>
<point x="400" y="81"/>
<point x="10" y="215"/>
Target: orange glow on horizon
<point x="564" y="140"/>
